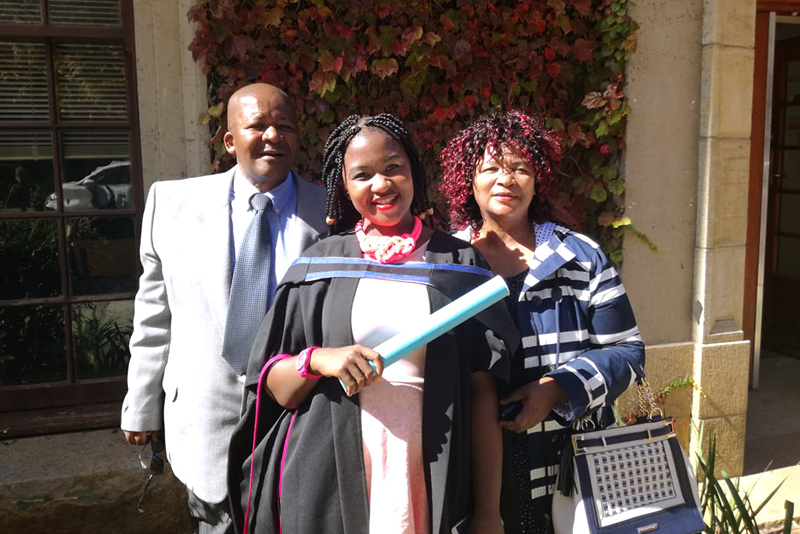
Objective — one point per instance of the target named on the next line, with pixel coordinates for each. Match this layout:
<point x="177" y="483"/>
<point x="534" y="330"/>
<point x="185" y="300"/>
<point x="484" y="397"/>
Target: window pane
<point x="102" y="255"/>
<point x="101" y="332"/>
<point x="791" y="170"/>
<point x="789" y="257"/>
<point x="793" y="82"/>
<point x="20" y="12"/>
<point x="97" y="171"/>
<point x="790" y="214"/>
<point x="791" y="133"/>
<point x="23" y="82"/>
<point x="26" y="171"/>
<point x="29" y="249"/>
<point x="32" y="348"/>
<point x="85" y="12"/>
<point x="90" y="82"/>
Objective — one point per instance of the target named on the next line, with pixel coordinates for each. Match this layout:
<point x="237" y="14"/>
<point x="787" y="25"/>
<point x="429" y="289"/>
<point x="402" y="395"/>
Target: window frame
<point x="102" y="396"/>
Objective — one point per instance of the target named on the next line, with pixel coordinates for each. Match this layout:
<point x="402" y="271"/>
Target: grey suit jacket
<point x="178" y="379"/>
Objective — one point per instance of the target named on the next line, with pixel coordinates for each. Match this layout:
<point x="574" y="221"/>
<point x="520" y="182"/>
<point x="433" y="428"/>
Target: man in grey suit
<point x="179" y="379"/>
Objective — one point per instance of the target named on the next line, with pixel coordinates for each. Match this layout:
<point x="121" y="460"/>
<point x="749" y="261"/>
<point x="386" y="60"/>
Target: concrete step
<point x="85" y="483"/>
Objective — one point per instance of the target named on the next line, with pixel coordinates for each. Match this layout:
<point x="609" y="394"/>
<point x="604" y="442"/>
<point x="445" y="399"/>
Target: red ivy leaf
<point x="412" y="34"/>
<point x="400" y="48"/>
<point x="431" y="38"/>
<point x="328" y="63"/>
<point x="345" y="31"/>
<point x="239" y="45"/>
<point x="322" y="82"/>
<point x="447" y="22"/>
<point x="606" y="218"/>
<point x="584" y="50"/>
<point x="584" y="7"/>
<point x="553" y="69"/>
<point x="273" y="17"/>
<point x="462" y="48"/>
<point x="593" y="100"/>
<point x="384" y="67"/>
<point x="558" y="6"/>
<point x="575" y="133"/>
<point x="361" y="63"/>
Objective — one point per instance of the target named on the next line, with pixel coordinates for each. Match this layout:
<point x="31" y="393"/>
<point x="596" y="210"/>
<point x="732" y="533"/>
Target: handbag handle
<point x="647" y="400"/>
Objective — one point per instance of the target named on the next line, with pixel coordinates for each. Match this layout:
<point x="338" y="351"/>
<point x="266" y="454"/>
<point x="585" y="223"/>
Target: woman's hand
<point x="538" y="399"/>
<point x="486" y="523"/>
<point x="348" y="364"/>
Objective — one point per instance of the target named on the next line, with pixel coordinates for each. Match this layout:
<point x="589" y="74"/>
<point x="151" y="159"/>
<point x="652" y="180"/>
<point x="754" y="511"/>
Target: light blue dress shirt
<point x="282" y="218"/>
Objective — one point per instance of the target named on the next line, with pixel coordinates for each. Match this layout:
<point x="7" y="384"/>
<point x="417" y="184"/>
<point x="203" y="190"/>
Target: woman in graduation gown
<point x="328" y="445"/>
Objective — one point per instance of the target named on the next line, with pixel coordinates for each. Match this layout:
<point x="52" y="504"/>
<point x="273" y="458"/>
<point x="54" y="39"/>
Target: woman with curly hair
<point x="580" y="343"/>
<point x="329" y="445"/>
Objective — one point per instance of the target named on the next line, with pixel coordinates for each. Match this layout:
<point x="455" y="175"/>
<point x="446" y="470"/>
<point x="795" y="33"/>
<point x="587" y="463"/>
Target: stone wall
<point x="687" y="169"/>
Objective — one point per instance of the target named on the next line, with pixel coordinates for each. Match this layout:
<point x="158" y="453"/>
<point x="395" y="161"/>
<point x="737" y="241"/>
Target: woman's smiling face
<point x="504" y="183"/>
<point x="378" y="181"/>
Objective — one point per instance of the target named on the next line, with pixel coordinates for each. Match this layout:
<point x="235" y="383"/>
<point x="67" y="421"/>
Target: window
<point x="70" y="202"/>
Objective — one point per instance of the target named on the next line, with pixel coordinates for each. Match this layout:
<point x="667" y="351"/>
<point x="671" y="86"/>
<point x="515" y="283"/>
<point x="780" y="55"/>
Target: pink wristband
<point x="302" y="362"/>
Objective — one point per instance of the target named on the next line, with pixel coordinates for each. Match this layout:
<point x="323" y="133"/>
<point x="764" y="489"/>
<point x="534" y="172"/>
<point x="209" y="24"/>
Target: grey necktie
<point x="247" y="303"/>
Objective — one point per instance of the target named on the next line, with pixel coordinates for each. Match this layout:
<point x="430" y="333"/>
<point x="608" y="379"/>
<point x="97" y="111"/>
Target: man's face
<point x="262" y="136"/>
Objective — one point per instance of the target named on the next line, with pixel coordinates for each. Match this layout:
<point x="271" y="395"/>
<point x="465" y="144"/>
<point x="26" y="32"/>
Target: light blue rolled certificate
<point x="442" y="320"/>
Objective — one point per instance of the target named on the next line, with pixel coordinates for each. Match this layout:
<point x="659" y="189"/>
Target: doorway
<point x="773" y="264"/>
<point x="781" y="314"/>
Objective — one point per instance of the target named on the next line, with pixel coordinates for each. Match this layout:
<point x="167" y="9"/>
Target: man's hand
<point x="140" y="438"/>
<point x="538" y="399"/>
<point x="348" y="364"/>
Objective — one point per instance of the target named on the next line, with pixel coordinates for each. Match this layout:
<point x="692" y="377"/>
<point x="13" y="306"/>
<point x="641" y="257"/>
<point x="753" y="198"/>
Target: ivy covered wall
<point x="436" y="64"/>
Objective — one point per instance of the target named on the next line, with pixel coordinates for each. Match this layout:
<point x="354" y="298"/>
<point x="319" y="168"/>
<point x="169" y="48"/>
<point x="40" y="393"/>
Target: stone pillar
<point x="172" y="93"/>
<point x="721" y="358"/>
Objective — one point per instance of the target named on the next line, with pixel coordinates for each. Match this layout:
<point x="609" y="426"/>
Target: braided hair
<point x="341" y="214"/>
<point x="462" y="155"/>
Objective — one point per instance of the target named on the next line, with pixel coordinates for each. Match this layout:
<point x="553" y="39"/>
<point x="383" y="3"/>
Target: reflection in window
<point x="23" y="82"/>
<point x="26" y="170"/>
<point x="97" y="171"/>
<point x="102" y="255"/>
<point x="20" y="12"/>
<point x="32" y="347"/>
<point x="101" y="332"/>
<point x="90" y="82"/>
<point x="29" y="249"/>
<point x="84" y="12"/>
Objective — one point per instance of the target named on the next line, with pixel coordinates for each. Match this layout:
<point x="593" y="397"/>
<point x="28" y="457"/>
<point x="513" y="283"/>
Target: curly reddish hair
<point x="462" y="155"/>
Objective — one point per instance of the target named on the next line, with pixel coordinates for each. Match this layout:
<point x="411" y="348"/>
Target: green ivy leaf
<point x="622" y="221"/>
<point x="216" y="110"/>
<point x="598" y="193"/>
<point x="616" y="187"/>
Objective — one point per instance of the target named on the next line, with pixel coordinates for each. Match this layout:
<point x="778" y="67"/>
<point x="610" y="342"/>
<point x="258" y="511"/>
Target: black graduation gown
<point x="315" y="481"/>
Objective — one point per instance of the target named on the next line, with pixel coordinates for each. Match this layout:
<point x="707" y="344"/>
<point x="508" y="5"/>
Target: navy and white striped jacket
<point x="577" y="326"/>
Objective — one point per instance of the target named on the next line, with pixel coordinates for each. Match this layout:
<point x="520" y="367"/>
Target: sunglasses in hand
<point x="155" y="465"/>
